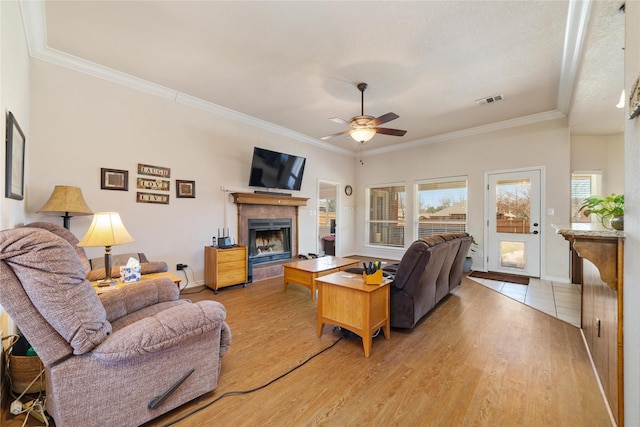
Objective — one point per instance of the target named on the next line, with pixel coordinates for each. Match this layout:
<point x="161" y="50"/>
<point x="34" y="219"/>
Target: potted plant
<point x="469" y="259"/>
<point x="609" y="209"/>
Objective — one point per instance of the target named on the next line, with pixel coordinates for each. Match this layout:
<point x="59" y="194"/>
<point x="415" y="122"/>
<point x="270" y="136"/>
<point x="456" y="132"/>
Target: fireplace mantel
<point x="268" y="199"/>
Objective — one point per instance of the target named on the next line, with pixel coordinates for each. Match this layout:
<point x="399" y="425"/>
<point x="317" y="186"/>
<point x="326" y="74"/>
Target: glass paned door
<point x="514" y="223"/>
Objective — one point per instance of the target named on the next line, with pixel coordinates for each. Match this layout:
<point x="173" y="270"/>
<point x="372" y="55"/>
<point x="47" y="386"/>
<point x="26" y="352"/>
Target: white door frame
<point x="336" y="186"/>
<point x="542" y="227"/>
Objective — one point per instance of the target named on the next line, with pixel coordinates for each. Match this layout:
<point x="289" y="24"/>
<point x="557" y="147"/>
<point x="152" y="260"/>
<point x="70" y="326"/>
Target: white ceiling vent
<point x="489" y="100"/>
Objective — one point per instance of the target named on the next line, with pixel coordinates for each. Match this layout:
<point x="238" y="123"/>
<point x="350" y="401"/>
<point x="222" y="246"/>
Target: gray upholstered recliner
<point x="106" y="358"/>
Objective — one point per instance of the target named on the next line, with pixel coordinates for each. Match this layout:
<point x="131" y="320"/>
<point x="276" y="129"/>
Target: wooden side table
<point x="225" y="267"/>
<point x="345" y="300"/>
<point x="101" y="289"/>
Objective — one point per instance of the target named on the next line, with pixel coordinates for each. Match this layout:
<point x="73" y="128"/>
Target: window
<point x="583" y="185"/>
<point x="385" y="222"/>
<point x="441" y="206"/>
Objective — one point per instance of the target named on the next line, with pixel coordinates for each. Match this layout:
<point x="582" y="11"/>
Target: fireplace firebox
<point x="269" y="240"/>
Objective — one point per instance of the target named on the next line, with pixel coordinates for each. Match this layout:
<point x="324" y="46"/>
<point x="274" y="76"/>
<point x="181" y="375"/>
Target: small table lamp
<point x="66" y="200"/>
<point x="106" y="230"/>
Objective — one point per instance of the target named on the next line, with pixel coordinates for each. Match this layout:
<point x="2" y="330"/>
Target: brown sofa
<point x="428" y="271"/>
<point x="107" y="358"/>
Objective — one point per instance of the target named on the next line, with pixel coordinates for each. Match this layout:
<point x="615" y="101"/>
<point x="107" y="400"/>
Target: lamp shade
<point x="106" y="229"/>
<point x="66" y="199"/>
<point x="362" y="134"/>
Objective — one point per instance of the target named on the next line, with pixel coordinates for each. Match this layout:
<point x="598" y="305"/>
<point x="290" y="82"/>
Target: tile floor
<point x="561" y="300"/>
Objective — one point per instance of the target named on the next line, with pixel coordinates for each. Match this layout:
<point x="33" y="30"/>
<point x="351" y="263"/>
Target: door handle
<point x="534" y="232"/>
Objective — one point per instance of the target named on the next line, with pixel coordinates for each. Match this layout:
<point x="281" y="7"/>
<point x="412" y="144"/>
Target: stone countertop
<point x="586" y="230"/>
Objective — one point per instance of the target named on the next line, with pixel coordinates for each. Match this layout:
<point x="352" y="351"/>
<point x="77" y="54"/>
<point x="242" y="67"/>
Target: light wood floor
<point x="480" y="358"/>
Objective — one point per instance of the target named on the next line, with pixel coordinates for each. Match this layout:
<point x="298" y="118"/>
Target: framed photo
<point x="185" y="189"/>
<point x="14" y="170"/>
<point x="634" y="100"/>
<point x="114" y="179"/>
<point x="159" y="171"/>
<point x="157" y="198"/>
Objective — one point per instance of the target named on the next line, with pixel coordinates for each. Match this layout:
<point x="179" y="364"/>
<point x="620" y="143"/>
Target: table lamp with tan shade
<point x="67" y="201"/>
<point x="106" y="230"/>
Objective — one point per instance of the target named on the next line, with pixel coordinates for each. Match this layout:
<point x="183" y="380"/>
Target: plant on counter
<point x="609" y="209"/>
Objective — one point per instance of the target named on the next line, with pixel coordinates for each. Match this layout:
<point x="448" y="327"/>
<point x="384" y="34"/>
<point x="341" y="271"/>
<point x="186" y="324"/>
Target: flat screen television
<point x="271" y="169"/>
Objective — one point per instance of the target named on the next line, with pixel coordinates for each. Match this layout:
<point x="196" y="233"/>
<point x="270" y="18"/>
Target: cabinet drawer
<point x="228" y="267"/>
<point x="232" y="278"/>
<point x="231" y="255"/>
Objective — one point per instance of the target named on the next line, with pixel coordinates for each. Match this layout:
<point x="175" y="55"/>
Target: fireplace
<point x="273" y="220"/>
<point x="269" y="240"/>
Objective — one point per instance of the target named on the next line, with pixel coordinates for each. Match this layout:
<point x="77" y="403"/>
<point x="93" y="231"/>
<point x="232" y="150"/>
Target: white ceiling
<point x="290" y="66"/>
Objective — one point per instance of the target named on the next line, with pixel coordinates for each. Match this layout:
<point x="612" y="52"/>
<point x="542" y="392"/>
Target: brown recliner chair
<point x="429" y="270"/>
<point x="107" y="359"/>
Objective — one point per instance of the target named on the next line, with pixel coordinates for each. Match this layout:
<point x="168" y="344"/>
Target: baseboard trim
<point x="595" y="373"/>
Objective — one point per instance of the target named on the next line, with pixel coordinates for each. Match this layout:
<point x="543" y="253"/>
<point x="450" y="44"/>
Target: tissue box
<point x="130" y="274"/>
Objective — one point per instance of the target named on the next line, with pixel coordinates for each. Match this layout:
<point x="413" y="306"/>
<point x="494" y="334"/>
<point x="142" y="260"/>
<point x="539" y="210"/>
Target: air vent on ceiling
<point x="489" y="100"/>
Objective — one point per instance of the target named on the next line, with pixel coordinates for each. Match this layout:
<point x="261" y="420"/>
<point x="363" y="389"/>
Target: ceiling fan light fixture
<point x="362" y="135"/>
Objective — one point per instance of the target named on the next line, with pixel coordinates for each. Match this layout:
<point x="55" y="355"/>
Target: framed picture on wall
<point x="185" y="189"/>
<point x="14" y="170"/>
<point x="114" y="179"/>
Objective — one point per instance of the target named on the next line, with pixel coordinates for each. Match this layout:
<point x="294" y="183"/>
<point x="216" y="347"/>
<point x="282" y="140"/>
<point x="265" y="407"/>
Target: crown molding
<point x="478" y="130"/>
<point x="577" y="22"/>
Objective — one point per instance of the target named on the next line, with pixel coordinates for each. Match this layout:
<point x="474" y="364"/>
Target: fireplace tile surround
<point x="268" y="206"/>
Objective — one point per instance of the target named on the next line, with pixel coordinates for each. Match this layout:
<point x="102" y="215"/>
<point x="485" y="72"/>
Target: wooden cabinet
<point x="225" y="267"/>
<point x="601" y="258"/>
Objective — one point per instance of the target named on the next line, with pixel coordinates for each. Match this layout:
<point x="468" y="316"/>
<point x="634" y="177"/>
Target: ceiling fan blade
<point x="394" y="132"/>
<point x="384" y="119"/>
<point x="339" y="120"/>
<point x="324" y="138"/>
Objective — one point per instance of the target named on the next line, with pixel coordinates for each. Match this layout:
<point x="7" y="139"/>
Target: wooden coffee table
<point x="305" y="272"/>
<point x="345" y="300"/>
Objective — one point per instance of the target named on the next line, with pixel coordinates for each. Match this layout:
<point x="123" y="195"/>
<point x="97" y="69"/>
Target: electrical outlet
<point x="181" y="266"/>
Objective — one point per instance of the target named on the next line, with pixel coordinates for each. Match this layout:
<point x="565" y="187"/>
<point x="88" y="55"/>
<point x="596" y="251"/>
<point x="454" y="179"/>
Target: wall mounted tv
<point x="271" y="169"/>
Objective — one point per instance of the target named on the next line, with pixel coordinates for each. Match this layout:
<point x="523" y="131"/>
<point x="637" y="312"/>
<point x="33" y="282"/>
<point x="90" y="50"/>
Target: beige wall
<point x="632" y="228"/>
<point x="600" y="153"/>
<point x="539" y="145"/>
<point x="82" y="124"/>
<point x="14" y="97"/>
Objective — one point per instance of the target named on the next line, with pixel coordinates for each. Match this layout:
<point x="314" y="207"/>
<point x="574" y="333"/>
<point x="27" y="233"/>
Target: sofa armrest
<point x="166" y="329"/>
<point x="135" y="296"/>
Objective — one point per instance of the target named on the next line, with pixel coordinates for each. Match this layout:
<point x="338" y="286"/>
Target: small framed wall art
<point x="185" y="189"/>
<point x="14" y="170"/>
<point x="114" y="179"/>
<point x="153" y="184"/>
<point x="634" y="100"/>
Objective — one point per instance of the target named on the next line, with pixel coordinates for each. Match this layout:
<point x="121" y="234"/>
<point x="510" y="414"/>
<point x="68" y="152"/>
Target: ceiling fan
<point x="365" y="127"/>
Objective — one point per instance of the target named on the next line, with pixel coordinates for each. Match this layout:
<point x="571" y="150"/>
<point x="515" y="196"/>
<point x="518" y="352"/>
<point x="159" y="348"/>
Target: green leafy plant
<point x="604" y="208"/>
<point x="473" y="247"/>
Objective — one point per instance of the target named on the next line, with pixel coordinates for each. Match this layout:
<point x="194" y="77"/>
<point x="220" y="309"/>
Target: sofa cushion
<point x="165" y="329"/>
<point x="116" y="260"/>
<point x="433" y="240"/>
<point x="54" y="279"/>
